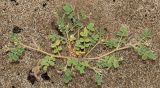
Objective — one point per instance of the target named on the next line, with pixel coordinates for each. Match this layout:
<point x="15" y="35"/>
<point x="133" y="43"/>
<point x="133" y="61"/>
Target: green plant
<point x="108" y="62"/>
<point x="56" y="43"/>
<point x="145" y="53"/>
<point x="15" y="54"/>
<point x="98" y="77"/>
<point x="117" y="42"/>
<point x="67" y="76"/>
<point x="46" y="62"/>
<point x="80" y="40"/>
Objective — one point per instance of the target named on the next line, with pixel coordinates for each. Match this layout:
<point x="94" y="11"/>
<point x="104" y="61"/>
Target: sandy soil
<point x="35" y="18"/>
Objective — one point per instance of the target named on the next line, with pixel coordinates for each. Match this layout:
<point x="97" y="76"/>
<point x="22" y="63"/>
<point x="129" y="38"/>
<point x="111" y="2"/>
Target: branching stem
<point x="66" y="57"/>
<point x="92" y="48"/>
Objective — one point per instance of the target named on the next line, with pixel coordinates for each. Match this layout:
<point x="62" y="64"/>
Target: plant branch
<point x="44" y="52"/>
<point x="115" y="50"/>
<point x="66" y="57"/>
<point x="92" y="48"/>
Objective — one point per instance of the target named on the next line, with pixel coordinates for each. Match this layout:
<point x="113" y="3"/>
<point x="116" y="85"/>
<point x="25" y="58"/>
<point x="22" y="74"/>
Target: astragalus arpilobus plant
<point x="80" y="40"/>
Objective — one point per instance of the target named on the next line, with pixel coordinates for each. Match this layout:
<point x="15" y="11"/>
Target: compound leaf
<point x="98" y="77"/>
<point x="68" y="9"/>
<point x="90" y="26"/>
<point x="67" y="76"/>
<point x="13" y="38"/>
<point x="145" y="35"/>
<point x="84" y="33"/>
<point x="145" y="53"/>
<point x="113" y="43"/>
<point x="123" y="32"/>
<point x="72" y="61"/>
<point x="46" y="62"/>
<point x="15" y="54"/>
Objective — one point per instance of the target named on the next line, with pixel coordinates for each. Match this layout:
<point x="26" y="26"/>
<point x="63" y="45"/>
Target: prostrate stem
<point x="66" y="57"/>
<point x="92" y="49"/>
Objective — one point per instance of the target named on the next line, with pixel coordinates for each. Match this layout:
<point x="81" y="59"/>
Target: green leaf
<point x="68" y="9"/>
<point x="81" y="68"/>
<point x="108" y="62"/>
<point x="113" y="43"/>
<point x="145" y="53"/>
<point x="123" y="32"/>
<point x="87" y="39"/>
<point x="151" y="55"/>
<point x="67" y="76"/>
<point x="15" y="54"/>
<point x="72" y="61"/>
<point x="59" y="48"/>
<point x="116" y="63"/>
<point x="145" y="35"/>
<point x="13" y="38"/>
<point x="72" y="37"/>
<point x="71" y="16"/>
<point x="46" y="62"/>
<point x="87" y="45"/>
<point x="45" y="68"/>
<point x="54" y="37"/>
<point x="86" y="64"/>
<point x="98" y="77"/>
<point x="90" y="26"/>
<point x="83" y="15"/>
<point x="141" y="50"/>
<point x="84" y="33"/>
<point x="81" y="39"/>
<point x="76" y="22"/>
<point x="12" y="57"/>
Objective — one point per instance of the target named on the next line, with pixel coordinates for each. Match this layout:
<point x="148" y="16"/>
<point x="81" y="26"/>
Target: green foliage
<point x="67" y="76"/>
<point x="108" y="62"/>
<point x="145" y="35"/>
<point x="13" y="38"/>
<point x="71" y="62"/>
<point x="95" y="38"/>
<point x="87" y="39"/>
<point x="145" y="53"/>
<point x="78" y="40"/>
<point x="15" y="54"/>
<point x="98" y="78"/>
<point x="83" y="15"/>
<point x="68" y="9"/>
<point x="90" y="26"/>
<point x="56" y="43"/>
<point x="80" y="66"/>
<point x="71" y="65"/>
<point x="123" y="32"/>
<point x="113" y="43"/>
<point x="46" y="62"/>
<point x="75" y="21"/>
<point x="61" y="25"/>
<point x="116" y="42"/>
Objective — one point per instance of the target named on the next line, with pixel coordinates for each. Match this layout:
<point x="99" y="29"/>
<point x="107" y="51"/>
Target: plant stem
<point x="66" y="57"/>
<point x="92" y="48"/>
<point x="41" y="51"/>
<point x="119" y="42"/>
<point x="115" y="50"/>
